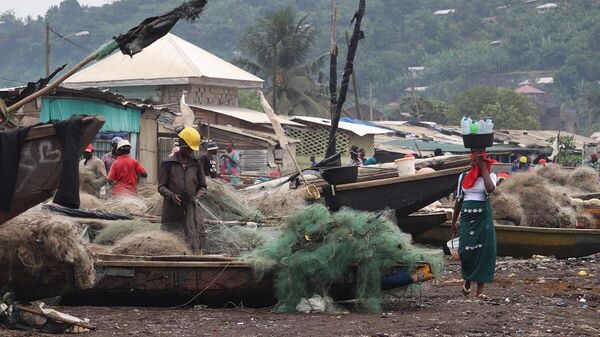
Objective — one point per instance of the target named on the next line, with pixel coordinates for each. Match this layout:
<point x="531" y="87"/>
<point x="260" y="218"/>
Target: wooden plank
<point x="48" y="130"/>
<point x="198" y="258"/>
<point x="174" y="264"/>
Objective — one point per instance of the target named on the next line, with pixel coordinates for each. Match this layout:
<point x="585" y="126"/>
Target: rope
<point x="203" y="290"/>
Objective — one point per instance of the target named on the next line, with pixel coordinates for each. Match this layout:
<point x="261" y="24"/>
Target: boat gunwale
<point x="396" y="180"/>
<point x="193" y="264"/>
<point x="541" y="229"/>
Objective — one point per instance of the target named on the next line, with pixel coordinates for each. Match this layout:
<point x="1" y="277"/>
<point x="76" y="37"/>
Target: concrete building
<point x="163" y="70"/>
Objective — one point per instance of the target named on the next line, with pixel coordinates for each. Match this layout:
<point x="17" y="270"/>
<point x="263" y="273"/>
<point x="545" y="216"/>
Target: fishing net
<point x="585" y="179"/>
<point x="317" y="247"/>
<point x="154" y="243"/>
<point x="541" y="198"/>
<point x="37" y="247"/>
<point x="235" y="240"/>
<point x="119" y="229"/>
<point x="222" y="202"/>
<point x="276" y="202"/>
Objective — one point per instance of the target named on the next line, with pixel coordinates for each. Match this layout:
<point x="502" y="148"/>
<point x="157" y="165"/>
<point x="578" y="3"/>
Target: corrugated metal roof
<point x="251" y="116"/>
<point x="169" y="60"/>
<point x="421" y="132"/>
<point x="527" y="89"/>
<point x="359" y="129"/>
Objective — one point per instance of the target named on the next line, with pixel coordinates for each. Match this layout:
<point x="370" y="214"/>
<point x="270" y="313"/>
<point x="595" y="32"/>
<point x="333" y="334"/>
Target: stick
<point x="35" y="312"/>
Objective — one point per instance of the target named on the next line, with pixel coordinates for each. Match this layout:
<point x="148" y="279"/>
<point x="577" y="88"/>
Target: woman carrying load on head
<point x="477" y="243"/>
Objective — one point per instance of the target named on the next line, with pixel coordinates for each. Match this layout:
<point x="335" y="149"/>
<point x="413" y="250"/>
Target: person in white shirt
<point x="477" y="243"/>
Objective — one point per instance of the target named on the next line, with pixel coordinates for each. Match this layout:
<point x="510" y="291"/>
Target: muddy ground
<point x="534" y="297"/>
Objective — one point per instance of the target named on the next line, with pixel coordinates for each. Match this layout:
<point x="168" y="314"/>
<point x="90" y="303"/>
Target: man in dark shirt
<point x="209" y="160"/>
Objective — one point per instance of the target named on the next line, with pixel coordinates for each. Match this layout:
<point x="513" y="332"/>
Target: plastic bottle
<point x="465" y="126"/>
<point x="481" y="126"/>
<point x="489" y="125"/>
<point x="469" y="124"/>
<point x="474" y="128"/>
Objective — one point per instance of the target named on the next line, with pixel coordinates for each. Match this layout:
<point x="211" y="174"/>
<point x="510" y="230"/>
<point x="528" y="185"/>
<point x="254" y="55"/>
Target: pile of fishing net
<point x="317" y="247"/>
<point x="221" y="238"/>
<point x="276" y="202"/>
<point x="129" y="204"/>
<point x="151" y="243"/>
<point x="44" y="253"/>
<point x="542" y="197"/>
<point x="117" y="230"/>
<point x="236" y="240"/>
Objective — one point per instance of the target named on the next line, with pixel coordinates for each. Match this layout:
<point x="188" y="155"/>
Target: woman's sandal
<point x="465" y="291"/>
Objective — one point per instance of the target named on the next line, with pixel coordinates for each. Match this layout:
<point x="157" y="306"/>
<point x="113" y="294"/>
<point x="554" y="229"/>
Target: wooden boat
<point x="419" y="223"/>
<point x="214" y="281"/>
<point x="404" y="194"/>
<point x="41" y="165"/>
<point x="518" y="241"/>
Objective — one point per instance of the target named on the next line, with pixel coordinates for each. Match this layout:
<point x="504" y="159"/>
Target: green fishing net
<point x="317" y="247"/>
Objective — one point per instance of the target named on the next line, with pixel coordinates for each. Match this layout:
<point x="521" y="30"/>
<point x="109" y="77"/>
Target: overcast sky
<point x="38" y="7"/>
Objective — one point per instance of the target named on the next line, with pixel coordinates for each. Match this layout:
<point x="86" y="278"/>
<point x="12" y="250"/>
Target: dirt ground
<point x="534" y="297"/>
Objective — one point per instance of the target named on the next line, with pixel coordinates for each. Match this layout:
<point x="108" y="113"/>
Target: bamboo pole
<point x="97" y="55"/>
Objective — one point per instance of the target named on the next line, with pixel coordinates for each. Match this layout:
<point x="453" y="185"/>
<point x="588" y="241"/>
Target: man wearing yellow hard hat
<point x="181" y="182"/>
<point x="522" y="165"/>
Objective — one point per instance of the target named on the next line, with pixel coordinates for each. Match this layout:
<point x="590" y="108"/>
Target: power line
<point x="68" y="40"/>
<point x="11" y="80"/>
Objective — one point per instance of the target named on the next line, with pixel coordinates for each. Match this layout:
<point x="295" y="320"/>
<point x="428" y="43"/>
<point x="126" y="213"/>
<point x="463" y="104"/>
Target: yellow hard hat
<point x="523" y="159"/>
<point x="191" y="137"/>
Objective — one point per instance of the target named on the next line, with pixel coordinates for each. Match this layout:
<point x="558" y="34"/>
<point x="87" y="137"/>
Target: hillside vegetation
<point x="455" y="49"/>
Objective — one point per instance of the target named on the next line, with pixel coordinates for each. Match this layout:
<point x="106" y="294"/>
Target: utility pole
<point x="275" y="78"/>
<point x="412" y="91"/>
<point x="589" y="109"/>
<point x="354" y="86"/>
<point x="371" y="100"/>
<point x="47" y="49"/>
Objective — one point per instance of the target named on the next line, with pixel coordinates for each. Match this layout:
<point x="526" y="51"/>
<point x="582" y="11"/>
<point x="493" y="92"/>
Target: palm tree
<point x="277" y="47"/>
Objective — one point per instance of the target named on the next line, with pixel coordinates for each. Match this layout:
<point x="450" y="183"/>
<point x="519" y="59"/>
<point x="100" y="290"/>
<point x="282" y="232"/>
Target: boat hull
<point x="406" y="195"/>
<point x="417" y="224"/>
<point x="213" y="283"/>
<point x="520" y="241"/>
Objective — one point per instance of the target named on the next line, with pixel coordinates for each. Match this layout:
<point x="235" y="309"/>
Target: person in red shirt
<point x="125" y="170"/>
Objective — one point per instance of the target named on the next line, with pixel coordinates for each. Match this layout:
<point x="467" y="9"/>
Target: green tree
<point x="277" y="47"/>
<point x="429" y="110"/>
<point x="507" y="109"/>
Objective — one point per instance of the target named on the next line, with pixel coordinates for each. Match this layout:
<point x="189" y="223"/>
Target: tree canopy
<point x="277" y="48"/>
<point x="508" y="109"/>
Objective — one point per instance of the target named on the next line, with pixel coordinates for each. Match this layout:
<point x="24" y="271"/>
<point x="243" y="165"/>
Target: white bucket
<point x="405" y="166"/>
<point x="453" y="247"/>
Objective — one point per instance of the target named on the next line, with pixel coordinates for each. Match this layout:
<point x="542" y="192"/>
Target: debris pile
<point x="542" y="197"/>
<point x="317" y="247"/>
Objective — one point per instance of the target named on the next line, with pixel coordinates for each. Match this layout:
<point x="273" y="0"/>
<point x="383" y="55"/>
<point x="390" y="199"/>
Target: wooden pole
<point x="354" y="84"/>
<point x="47" y="52"/>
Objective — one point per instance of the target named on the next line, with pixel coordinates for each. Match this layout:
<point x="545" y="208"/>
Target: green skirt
<point x="477" y="247"/>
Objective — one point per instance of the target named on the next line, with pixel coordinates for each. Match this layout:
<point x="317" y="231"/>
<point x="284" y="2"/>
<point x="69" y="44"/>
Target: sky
<point x="23" y="8"/>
